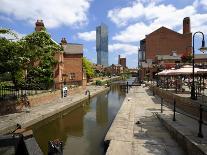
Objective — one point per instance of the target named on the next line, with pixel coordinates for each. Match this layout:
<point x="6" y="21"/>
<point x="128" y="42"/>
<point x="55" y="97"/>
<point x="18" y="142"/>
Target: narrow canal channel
<point x="82" y="128"/>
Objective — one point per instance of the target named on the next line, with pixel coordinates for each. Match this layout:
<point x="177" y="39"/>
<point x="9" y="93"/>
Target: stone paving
<point x="136" y="129"/>
<point x="40" y="112"/>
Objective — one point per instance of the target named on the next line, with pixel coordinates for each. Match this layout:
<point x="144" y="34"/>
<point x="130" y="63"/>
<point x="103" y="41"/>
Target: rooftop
<point x="72" y="48"/>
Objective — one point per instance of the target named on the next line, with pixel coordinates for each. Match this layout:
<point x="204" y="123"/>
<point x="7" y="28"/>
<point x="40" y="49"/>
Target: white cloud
<point x="87" y="36"/>
<point x="204" y="3"/>
<point x="9" y="36"/>
<point x="3" y="18"/>
<point x="155" y="15"/>
<point x="137" y="9"/>
<point x="121" y="16"/>
<point x="133" y="33"/>
<point x="54" y="13"/>
<point x="128" y="49"/>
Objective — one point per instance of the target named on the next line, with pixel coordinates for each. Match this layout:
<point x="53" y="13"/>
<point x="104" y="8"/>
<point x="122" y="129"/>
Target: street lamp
<point x="138" y="66"/>
<point x="202" y="49"/>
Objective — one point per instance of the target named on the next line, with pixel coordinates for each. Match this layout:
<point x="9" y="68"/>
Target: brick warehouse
<point x="163" y="41"/>
<point x="73" y="63"/>
<point x="70" y="66"/>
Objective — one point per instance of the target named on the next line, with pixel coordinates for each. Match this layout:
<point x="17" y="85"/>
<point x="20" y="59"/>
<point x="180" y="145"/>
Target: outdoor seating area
<point x="181" y="80"/>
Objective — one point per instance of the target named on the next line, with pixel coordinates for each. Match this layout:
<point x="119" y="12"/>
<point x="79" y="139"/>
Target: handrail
<point x="200" y="120"/>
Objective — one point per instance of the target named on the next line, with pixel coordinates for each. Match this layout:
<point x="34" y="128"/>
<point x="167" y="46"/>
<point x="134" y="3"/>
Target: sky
<point x="128" y="21"/>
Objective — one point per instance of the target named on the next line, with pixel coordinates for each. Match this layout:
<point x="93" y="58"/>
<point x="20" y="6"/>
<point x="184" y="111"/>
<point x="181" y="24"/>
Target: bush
<point x="6" y="83"/>
<point x="98" y="83"/>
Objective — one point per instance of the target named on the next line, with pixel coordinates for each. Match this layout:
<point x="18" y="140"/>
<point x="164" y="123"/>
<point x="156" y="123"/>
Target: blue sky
<point x="128" y="21"/>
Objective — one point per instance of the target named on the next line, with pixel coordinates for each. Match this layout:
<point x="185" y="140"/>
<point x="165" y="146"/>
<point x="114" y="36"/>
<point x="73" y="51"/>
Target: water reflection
<point x="102" y="110"/>
<point x="83" y="129"/>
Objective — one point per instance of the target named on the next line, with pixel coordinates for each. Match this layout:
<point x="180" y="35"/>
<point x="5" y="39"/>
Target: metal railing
<point x="12" y="92"/>
<point x="202" y="108"/>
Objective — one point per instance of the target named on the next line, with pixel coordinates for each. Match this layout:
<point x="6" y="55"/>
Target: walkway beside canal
<point x="41" y="112"/>
<point x="137" y="130"/>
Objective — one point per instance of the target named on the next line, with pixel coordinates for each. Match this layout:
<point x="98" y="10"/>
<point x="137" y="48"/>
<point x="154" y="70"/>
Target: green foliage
<point x="186" y="58"/>
<point x="8" y="31"/>
<point x="98" y="82"/>
<point x="126" y="75"/>
<point x="3" y="84"/>
<point x="29" y="60"/>
<point x="87" y="65"/>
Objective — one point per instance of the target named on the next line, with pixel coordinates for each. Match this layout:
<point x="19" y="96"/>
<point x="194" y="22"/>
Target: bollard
<point x="153" y="92"/>
<point x="200" y="134"/>
<point x="127" y="87"/>
<point x="174" y="106"/>
<point x="89" y="94"/>
<point x="161" y="105"/>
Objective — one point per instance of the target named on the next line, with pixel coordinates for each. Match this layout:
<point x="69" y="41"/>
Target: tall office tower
<point x="102" y="45"/>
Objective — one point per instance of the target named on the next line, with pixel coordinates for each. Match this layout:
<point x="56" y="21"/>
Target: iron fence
<point x="202" y="108"/>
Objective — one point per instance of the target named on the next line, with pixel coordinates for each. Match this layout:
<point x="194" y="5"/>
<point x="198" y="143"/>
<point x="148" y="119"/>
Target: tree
<point x="39" y="51"/>
<point x="10" y="56"/>
<point x="186" y="57"/>
<point x="29" y="60"/>
<point x="87" y="65"/>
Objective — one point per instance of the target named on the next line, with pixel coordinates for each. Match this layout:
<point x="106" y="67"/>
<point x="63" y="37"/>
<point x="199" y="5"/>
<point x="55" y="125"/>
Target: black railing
<point x="12" y="92"/>
<point x="202" y="108"/>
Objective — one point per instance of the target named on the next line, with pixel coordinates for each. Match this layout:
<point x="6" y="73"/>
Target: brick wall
<point x="73" y="64"/>
<point x="44" y="98"/>
<point x="10" y="106"/>
<point x="163" y="41"/>
<point x="185" y="104"/>
<point x="51" y="96"/>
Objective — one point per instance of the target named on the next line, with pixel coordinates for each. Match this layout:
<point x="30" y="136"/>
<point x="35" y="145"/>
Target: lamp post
<point x="202" y="49"/>
<point x="138" y="65"/>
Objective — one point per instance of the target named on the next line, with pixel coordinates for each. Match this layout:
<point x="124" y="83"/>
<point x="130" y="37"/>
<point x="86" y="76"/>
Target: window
<point x="71" y="76"/>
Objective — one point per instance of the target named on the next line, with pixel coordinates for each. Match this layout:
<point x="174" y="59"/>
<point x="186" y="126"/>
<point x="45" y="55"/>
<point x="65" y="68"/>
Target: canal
<point x="83" y="127"/>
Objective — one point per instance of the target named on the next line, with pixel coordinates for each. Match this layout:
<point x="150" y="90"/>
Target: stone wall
<point x="184" y="103"/>
<point x="11" y="106"/>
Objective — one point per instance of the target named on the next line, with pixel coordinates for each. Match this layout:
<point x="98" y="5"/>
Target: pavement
<point x="137" y="129"/>
<point x="25" y="119"/>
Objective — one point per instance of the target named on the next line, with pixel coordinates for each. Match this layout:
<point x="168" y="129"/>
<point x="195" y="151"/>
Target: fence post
<point x="200" y="134"/>
<point x="161" y="104"/>
<point x="174" y="106"/>
<point x="127" y="87"/>
<point x="153" y="91"/>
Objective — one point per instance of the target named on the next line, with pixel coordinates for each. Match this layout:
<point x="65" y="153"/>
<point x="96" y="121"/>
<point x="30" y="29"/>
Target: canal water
<point x="82" y="128"/>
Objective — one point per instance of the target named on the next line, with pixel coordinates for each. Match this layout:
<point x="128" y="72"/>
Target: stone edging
<point x="188" y="143"/>
<point x="49" y="114"/>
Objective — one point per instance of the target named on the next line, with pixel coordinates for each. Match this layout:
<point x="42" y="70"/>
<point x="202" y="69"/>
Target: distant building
<point x="114" y="69"/>
<point x="102" y="45"/>
<point x="160" y="44"/>
<point x="122" y="61"/>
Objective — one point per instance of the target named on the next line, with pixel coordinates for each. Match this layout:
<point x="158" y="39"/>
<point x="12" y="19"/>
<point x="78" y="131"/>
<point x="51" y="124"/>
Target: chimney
<point x="186" y="25"/>
<point x="119" y="59"/>
<point x="63" y="41"/>
<point x="39" y="25"/>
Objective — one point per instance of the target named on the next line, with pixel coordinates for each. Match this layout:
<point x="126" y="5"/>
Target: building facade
<point x="122" y="61"/>
<point x="69" y="68"/>
<point x="73" y="63"/>
<point x="102" y="45"/>
<point x="161" y="43"/>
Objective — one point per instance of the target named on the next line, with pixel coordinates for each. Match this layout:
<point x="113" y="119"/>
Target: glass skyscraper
<point x="102" y="45"/>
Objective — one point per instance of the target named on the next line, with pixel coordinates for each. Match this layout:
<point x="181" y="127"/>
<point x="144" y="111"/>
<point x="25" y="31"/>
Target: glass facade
<point x="102" y="44"/>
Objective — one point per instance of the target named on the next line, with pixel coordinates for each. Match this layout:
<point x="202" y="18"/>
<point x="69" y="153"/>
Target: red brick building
<point x="69" y="68"/>
<point x="73" y="63"/>
<point x="163" y="41"/>
<point x="122" y="61"/>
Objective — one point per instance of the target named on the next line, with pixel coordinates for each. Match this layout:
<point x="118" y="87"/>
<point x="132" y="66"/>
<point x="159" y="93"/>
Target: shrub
<point x="98" y="83"/>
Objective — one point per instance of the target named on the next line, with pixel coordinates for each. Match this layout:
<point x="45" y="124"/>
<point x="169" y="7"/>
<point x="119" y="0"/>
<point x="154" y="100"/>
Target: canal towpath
<point x="38" y="113"/>
<point x="136" y="128"/>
